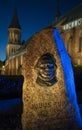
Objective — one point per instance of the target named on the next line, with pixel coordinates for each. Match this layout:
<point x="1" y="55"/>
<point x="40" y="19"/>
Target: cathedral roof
<point x="73" y="14"/>
<point x="69" y="16"/>
<point x="15" y="22"/>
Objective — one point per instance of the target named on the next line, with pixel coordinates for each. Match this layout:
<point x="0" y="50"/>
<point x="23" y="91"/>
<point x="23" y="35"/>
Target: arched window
<point x="15" y="37"/>
<point x="12" y="50"/>
<point x="80" y="42"/>
<point x="69" y="44"/>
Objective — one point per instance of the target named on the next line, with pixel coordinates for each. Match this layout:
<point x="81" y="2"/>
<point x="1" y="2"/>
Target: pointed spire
<point x="58" y="13"/>
<point x="15" y="22"/>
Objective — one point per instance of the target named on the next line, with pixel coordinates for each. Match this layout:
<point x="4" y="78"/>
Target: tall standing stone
<point x="46" y="96"/>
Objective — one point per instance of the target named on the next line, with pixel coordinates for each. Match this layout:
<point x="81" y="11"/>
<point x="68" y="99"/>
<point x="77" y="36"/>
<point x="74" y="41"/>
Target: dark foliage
<point x="78" y="78"/>
<point x="11" y="87"/>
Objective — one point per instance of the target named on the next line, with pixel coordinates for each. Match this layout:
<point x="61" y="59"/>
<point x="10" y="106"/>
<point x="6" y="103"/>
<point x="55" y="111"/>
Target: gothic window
<point x="80" y="42"/>
<point x="12" y="50"/>
<point x="15" y="37"/>
<point x="69" y="43"/>
<point x="12" y="36"/>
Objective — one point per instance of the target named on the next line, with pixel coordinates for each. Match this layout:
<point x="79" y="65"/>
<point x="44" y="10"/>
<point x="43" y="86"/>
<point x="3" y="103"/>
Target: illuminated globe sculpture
<point x="49" y="96"/>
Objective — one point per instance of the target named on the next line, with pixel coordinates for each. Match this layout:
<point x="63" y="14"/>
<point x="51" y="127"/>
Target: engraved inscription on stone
<point x="46" y="70"/>
<point x="48" y="112"/>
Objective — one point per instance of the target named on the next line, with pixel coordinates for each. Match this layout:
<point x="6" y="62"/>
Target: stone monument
<point x="49" y="96"/>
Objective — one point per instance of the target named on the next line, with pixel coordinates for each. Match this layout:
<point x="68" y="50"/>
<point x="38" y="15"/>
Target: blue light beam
<point x="68" y="75"/>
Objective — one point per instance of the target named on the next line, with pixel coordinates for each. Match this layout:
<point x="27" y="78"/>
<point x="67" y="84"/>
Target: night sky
<point x="33" y="15"/>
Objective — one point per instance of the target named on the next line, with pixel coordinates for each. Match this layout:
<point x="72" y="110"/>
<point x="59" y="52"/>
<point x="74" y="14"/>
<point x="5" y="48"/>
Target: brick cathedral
<point x="70" y="26"/>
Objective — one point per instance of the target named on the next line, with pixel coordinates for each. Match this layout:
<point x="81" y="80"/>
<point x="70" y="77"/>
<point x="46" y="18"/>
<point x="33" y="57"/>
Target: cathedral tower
<point x="14" y="36"/>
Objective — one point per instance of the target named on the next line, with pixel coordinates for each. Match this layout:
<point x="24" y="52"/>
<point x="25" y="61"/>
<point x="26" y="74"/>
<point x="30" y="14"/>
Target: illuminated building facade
<point x="14" y="56"/>
<point x="70" y="26"/>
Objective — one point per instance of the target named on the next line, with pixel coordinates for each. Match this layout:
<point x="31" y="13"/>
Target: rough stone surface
<point x="45" y="108"/>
